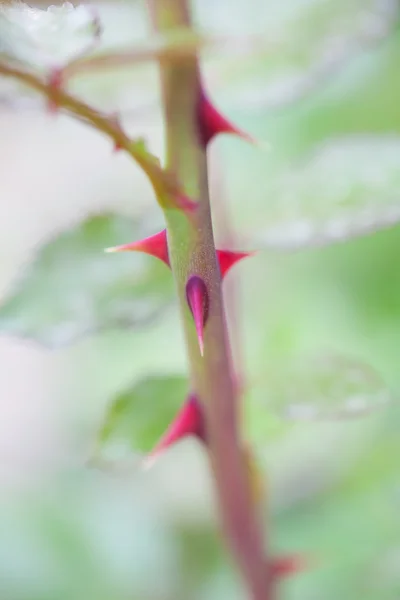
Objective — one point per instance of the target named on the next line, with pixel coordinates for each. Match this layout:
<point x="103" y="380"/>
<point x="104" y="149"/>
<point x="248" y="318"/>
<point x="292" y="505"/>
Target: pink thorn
<point x="189" y="421"/>
<point x="198" y="301"/>
<point x="55" y="83"/>
<point x="227" y="259"/>
<point x="116" y="120"/>
<point x="285" y="566"/>
<point x="212" y="123"/>
<point x="155" y="245"/>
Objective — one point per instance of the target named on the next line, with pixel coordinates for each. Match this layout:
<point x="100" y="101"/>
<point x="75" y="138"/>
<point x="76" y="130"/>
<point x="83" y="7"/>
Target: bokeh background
<point x="319" y="81"/>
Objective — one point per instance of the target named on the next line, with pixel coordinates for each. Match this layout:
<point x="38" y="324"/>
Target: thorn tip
<point x="189" y="421"/>
<point x="148" y="462"/>
<point x="155" y="245"/>
<point x="227" y="259"/>
<point x="201" y="342"/>
<point x="211" y="123"/>
<point x="198" y="302"/>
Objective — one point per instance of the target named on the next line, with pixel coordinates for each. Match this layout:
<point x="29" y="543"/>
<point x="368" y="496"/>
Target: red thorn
<point x="189" y="421"/>
<point x="116" y="120"/>
<point x="285" y="566"/>
<point x="211" y="122"/>
<point x="198" y="301"/>
<point x="55" y="82"/>
<point x="227" y="259"/>
<point x="155" y="245"/>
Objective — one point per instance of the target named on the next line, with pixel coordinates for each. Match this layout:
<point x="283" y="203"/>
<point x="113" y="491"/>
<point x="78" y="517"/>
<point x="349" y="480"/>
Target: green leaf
<point x="88" y="536"/>
<point x="306" y="44"/>
<point x="348" y="188"/>
<point x="73" y="288"/>
<point x="327" y="387"/>
<point x="138" y="416"/>
<point x="46" y="37"/>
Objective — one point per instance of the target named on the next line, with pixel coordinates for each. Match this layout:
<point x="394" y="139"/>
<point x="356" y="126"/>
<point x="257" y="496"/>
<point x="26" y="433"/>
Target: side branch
<point x="159" y="178"/>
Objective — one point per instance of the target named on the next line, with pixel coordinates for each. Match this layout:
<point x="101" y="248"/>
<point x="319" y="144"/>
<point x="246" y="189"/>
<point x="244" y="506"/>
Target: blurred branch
<point x="180" y="44"/>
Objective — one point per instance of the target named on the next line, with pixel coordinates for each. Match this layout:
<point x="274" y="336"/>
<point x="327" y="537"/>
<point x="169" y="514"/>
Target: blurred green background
<point x="319" y="80"/>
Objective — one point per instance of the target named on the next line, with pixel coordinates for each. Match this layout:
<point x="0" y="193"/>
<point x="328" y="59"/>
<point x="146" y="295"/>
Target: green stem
<point x="192" y="252"/>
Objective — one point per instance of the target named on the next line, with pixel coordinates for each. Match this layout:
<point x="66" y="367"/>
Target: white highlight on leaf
<point x="347" y="188"/>
<point x="326" y="387"/>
